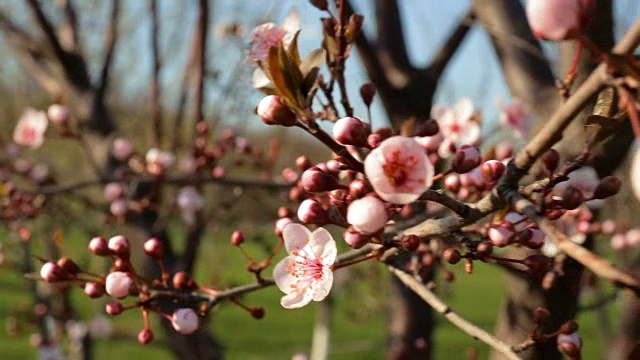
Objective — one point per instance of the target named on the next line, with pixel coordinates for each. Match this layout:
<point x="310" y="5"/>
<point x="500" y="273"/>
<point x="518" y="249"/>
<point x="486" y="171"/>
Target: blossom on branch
<point x="305" y="274"/>
<point x="516" y="117"/>
<point x="458" y="124"/>
<point x="558" y="19"/>
<point x="399" y="170"/>
<point x="31" y="128"/>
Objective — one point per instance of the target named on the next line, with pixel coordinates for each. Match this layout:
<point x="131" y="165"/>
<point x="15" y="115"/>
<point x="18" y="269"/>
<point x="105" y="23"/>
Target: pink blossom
<point x="556" y="19"/>
<point x="399" y="170"/>
<point x="268" y="35"/>
<point x="113" y="191"/>
<point x="619" y="242"/>
<point x="121" y="149"/>
<point x="189" y="202"/>
<point x="305" y="274"/>
<point x="50" y="271"/>
<point x="501" y="235"/>
<point x="367" y="215"/>
<point x="458" y="124"/>
<point x="185" y="321"/>
<point x="119" y="207"/>
<point x="350" y="131"/>
<point x="118" y="284"/>
<point x="515" y="116"/>
<point x="585" y="180"/>
<point x="31" y="128"/>
<point x="58" y="114"/>
<point x="635" y="173"/>
<point x="273" y="111"/>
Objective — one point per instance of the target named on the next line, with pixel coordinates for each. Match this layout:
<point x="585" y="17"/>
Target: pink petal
<point x="323" y="286"/>
<point x="323" y="246"/>
<point x="283" y="279"/>
<point x="296" y="300"/>
<point x="295" y="237"/>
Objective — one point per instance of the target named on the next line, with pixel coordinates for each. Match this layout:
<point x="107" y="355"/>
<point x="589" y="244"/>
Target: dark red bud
<point x="182" y="281"/>
<point x="429" y="128"/>
<point x="153" y="248"/>
<point x="68" y="265"/>
<point x="257" y="312"/>
<point x="114" y="308"/>
<point x="315" y="180"/>
<point x="367" y="92"/>
<point x="550" y="160"/>
<point x="607" y="187"/>
<point x="484" y="248"/>
<point x="452" y="256"/>
<point x="569" y="327"/>
<point x="358" y="188"/>
<point x="145" y="336"/>
<point x="572" y="198"/>
<point x="303" y="163"/>
<point x="410" y="242"/>
<point x="99" y="246"/>
<point x="94" y="289"/>
<point x="320" y="4"/>
<point x="237" y="238"/>
<point x="541" y="316"/>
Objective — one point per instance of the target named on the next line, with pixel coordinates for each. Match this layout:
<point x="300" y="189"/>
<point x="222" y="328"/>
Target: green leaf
<point x="292" y="76"/>
<point x="315" y="59"/>
<point x="277" y="76"/>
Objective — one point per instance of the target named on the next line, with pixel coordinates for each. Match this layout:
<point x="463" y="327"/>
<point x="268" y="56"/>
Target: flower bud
<point x="185" y="321"/>
<point x="281" y="224"/>
<point x="501" y="235"/>
<point x="572" y="198"/>
<point x="367" y="92"/>
<point x="118" y="284"/>
<point x="312" y="212"/>
<point x="541" y="316"/>
<point x="429" y="128"/>
<point x="303" y="163"/>
<point x="113" y="191"/>
<point x="351" y="131"/>
<point x="98" y="246"/>
<point x="121" y="149"/>
<point x="569" y="327"/>
<point x="119" y="246"/>
<point x="367" y="215"/>
<point x="58" y="114"/>
<point x="535" y="239"/>
<point x="114" y="308"/>
<point x="315" y="180"/>
<point x="492" y="171"/>
<point x="145" y="336"/>
<point x="607" y="187"/>
<point x="452" y="256"/>
<point x="353" y="27"/>
<point x="467" y="158"/>
<point x="237" y="238"/>
<point x="153" y="248"/>
<point x="550" y="160"/>
<point x="182" y="281"/>
<point x="51" y="272"/>
<point x="557" y="19"/>
<point x="570" y="345"/>
<point x="94" y="289"/>
<point x="257" y="312"/>
<point x="410" y="242"/>
<point x="484" y="248"/>
<point x="538" y="264"/>
<point x="273" y="111"/>
<point x="68" y="265"/>
<point x="355" y="239"/>
<point x="358" y="188"/>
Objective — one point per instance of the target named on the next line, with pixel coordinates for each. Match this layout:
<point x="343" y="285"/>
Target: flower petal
<point x="323" y="286"/>
<point x="282" y="277"/>
<point x="323" y="246"/>
<point x="296" y="300"/>
<point x="295" y="237"/>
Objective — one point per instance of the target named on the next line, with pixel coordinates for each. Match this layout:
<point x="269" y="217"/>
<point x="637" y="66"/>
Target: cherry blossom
<point x="58" y="114"/>
<point x="399" y="170"/>
<point x="118" y="284"/>
<point x="305" y="274"/>
<point x="189" y="202"/>
<point x="557" y="19"/>
<point x="457" y="124"/>
<point x="585" y="180"/>
<point x="185" y="321"/>
<point x="367" y="215"/>
<point x="31" y="128"/>
<point x="516" y="117"/>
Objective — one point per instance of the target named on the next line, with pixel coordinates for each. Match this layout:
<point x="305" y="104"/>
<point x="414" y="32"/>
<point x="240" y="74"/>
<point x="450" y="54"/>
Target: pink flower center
<point x="305" y="268"/>
<point x="398" y="169"/>
<point x="455" y="127"/>
<point x="29" y="134"/>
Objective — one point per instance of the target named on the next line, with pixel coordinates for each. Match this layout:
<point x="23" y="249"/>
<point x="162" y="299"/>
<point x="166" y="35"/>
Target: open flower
<point x="458" y="124"/>
<point x="399" y="170"/>
<point x="516" y="117"/>
<point x="305" y="274"/>
<point x="30" y="128"/>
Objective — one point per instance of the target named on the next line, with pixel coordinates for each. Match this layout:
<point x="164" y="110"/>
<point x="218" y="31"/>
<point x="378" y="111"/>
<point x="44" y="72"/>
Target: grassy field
<point x="358" y="324"/>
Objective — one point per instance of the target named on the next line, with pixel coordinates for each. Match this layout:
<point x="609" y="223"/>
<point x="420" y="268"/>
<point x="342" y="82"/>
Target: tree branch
<point x="156" y="119"/>
<point x="446" y="52"/>
<point x="110" y="44"/>
<point x="443" y="309"/>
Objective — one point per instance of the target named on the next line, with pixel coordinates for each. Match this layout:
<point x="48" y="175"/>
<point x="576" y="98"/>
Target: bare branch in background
<point x="156" y="117"/>
<point x="69" y="29"/>
<point x="451" y="45"/>
<point x="110" y="44"/>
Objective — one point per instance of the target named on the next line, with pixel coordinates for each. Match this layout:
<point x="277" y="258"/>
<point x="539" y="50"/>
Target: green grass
<point x="358" y="325"/>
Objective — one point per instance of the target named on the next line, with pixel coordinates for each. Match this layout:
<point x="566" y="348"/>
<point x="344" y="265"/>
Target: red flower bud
<point x="452" y="255"/>
<point x="273" y="111"/>
<point x="145" y="336"/>
<point x="237" y="238"/>
<point x="153" y="248"/>
<point x="315" y="180"/>
<point x="367" y="92"/>
<point x="550" y="160"/>
<point x="607" y="187"/>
